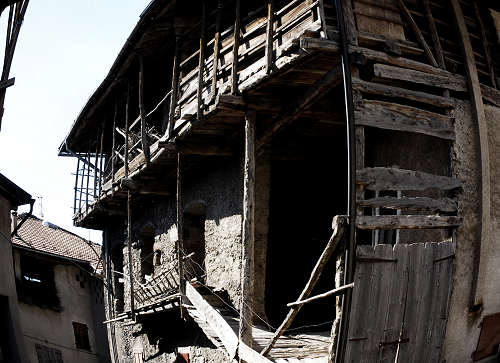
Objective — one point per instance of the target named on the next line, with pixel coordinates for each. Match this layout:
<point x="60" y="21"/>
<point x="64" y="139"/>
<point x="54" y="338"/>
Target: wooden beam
<point x="418" y="33"/>
<point x="491" y="95"/>
<point x="180" y="231"/>
<point x="76" y="184"/>
<point x="142" y="113"/>
<point x="446" y="205"/>
<point x="401" y="179"/>
<point x="201" y="61"/>
<point x="393" y="116"/>
<point x="236" y="47"/>
<point x="129" y="250"/>
<point x="113" y="144"/>
<point x="269" y="54"/>
<point x="404" y="93"/>
<point x="127" y="106"/>
<point x="334" y="292"/>
<point x="451" y="81"/>
<point x="320" y="45"/>
<point x="339" y="223"/>
<point x="486" y="48"/>
<point x="216" y="47"/>
<point x="195" y="148"/>
<point x="480" y="119"/>
<point x="435" y="36"/>
<point x="407" y="222"/>
<point x="248" y="233"/>
<point x="143" y="188"/>
<point x="174" y="89"/>
<point x="317" y="90"/>
<point x="351" y="32"/>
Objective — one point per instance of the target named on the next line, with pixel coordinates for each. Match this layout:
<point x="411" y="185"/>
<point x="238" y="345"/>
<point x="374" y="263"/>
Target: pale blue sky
<point x="64" y="51"/>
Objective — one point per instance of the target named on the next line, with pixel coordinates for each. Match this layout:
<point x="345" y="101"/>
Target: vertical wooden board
<point x="382" y="251"/>
<point x="424" y="312"/>
<point x="361" y="292"/>
<point x="370" y="346"/>
<point x="443" y="284"/>
<point x="396" y="306"/>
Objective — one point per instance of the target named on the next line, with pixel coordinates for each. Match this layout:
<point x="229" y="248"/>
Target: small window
<point x="81" y="336"/>
<point x="48" y="355"/>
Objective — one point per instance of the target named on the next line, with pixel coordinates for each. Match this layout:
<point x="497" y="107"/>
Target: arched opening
<point x="194" y="239"/>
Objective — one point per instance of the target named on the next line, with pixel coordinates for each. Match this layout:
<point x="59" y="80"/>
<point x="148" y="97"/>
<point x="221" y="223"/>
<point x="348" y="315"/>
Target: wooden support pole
<point x="142" y="113"/>
<point x="101" y="156"/>
<point x="248" y="233"/>
<point x="129" y="248"/>
<point x="418" y="33"/>
<point x="201" y="60"/>
<point x="76" y="184"/>
<point x="96" y="163"/>
<point x="349" y="21"/>
<point x="174" y="89"/>
<point x="88" y="179"/>
<point x="180" y="232"/>
<point x="480" y="118"/>
<point x="236" y="47"/>
<point x="486" y="48"/>
<point x="127" y="104"/>
<point x="216" y="48"/>
<point x="339" y="223"/>
<point x="269" y="55"/>
<point x="113" y="145"/>
<point x="81" y="182"/>
<point x="435" y="36"/>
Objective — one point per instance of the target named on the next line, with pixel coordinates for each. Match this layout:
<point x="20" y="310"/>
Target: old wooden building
<point x="298" y="180"/>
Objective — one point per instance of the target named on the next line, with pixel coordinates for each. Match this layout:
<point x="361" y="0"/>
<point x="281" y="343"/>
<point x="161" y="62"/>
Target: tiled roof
<point x="48" y="238"/>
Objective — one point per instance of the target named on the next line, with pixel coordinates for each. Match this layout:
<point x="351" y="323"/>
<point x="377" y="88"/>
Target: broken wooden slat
<point x="380" y="178"/>
<point x="392" y="116"/>
<point x="411" y="203"/>
<point x="339" y="223"/>
<point x="407" y="222"/>
<point x="334" y="292"/>
<point x="417" y="32"/>
<point x="452" y="82"/>
<point x="397" y="92"/>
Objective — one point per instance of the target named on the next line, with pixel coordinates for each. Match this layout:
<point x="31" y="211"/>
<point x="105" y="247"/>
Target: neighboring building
<point x="61" y="294"/>
<point x="11" y="335"/>
<point x="214" y="156"/>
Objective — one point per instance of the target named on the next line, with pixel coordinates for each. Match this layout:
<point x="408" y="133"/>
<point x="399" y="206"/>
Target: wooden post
<point x="201" y="61"/>
<point x="485" y="45"/>
<point x="180" y="232"/>
<point x="479" y="117"/>
<point x="101" y="155"/>
<point x="76" y="183"/>
<point x="142" y="113"/>
<point x="236" y="47"/>
<point x="96" y="163"/>
<point x="434" y="33"/>
<point x="248" y="233"/>
<point x="174" y="90"/>
<point x="129" y="247"/>
<point x="113" y="145"/>
<point x="350" y="24"/>
<point x="127" y="102"/>
<point x="269" y="40"/>
<point x="216" y="48"/>
<point x="88" y="179"/>
<point x="81" y="182"/>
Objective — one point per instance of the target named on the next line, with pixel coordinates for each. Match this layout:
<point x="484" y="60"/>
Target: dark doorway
<point x="307" y="190"/>
<point x="194" y="239"/>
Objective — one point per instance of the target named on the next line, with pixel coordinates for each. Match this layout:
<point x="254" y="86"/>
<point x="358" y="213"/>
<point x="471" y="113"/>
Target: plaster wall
<point x="8" y="286"/>
<point x="55" y="330"/>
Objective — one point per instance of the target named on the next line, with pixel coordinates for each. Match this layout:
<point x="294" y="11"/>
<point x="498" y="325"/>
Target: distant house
<point x="60" y="292"/>
<point x="11" y="338"/>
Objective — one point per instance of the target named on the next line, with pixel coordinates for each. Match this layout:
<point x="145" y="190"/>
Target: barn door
<point x="400" y="302"/>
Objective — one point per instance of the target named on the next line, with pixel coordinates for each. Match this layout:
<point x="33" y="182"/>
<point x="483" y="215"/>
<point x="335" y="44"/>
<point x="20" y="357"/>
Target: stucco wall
<point x="463" y="328"/>
<point x="54" y="329"/>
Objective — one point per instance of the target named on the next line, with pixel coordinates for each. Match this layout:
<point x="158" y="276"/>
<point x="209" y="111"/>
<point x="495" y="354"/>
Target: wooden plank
<point x="201" y="61"/>
<point x="393" y="116"/>
<point x="417" y="32"/>
<point x="379" y="178"/>
<point x="407" y="222"/>
<point x="248" y="233"/>
<point x="269" y="54"/>
<point x="215" y="64"/>
<point x="434" y="33"/>
<point x="397" y="92"/>
<point x="480" y="119"/>
<point x="236" y="47"/>
<point x="320" y="45"/>
<point x="339" y="223"/>
<point x="334" y="292"/>
<point x="452" y="82"/>
<point x="490" y="94"/>
<point x="411" y="203"/>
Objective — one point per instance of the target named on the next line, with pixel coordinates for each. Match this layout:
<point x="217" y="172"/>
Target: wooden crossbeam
<point x="411" y="203"/>
<point x="401" y="179"/>
<point x="407" y="222"/>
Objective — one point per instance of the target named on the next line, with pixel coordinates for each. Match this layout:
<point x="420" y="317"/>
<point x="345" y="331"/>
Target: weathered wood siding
<point x="401" y="294"/>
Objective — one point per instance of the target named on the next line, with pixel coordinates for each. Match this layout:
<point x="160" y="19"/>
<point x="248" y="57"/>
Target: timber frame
<point x="230" y="78"/>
